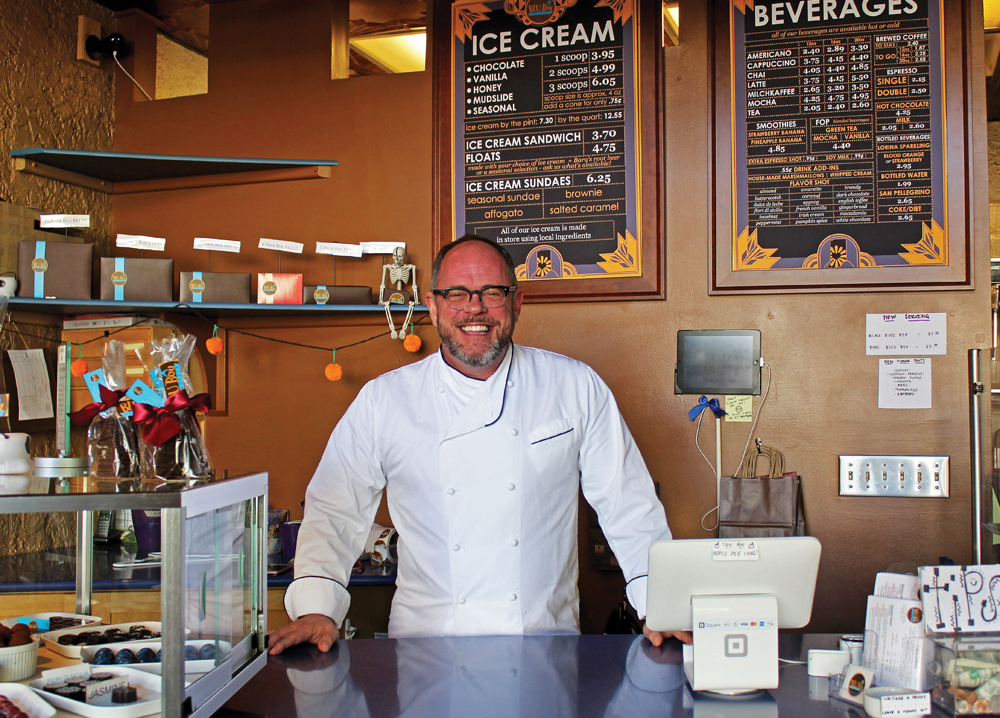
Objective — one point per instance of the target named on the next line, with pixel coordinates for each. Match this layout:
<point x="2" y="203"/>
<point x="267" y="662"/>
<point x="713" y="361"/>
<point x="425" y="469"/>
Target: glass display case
<point x="212" y="577"/>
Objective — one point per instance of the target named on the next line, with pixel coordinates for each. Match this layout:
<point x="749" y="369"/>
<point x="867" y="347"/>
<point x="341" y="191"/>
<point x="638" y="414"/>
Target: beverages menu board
<point x="838" y="129"/>
<point x="545" y="122"/>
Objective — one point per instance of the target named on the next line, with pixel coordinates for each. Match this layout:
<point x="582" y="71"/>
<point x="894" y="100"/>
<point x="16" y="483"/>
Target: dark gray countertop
<point x="544" y="676"/>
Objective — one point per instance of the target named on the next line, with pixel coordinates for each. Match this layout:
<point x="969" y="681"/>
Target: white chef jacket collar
<point x="486" y="406"/>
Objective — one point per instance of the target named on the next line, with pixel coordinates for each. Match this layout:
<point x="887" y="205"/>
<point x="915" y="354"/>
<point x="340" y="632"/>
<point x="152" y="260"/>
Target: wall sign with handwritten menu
<point x="546" y="134"/>
<point x="838" y="124"/>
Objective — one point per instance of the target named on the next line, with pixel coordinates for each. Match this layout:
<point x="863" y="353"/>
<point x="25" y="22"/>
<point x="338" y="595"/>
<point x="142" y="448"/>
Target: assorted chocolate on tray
<point x="109" y="635"/>
<point x="8" y="709"/>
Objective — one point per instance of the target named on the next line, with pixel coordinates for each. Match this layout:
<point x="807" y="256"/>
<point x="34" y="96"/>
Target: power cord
<point x="115" y="56"/>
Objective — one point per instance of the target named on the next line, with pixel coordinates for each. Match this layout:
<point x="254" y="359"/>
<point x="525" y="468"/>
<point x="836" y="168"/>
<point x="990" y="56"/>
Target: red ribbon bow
<point x="109" y="400"/>
<point x="161" y="422"/>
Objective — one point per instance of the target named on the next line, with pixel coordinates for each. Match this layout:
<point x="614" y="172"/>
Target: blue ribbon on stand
<point x="705" y="403"/>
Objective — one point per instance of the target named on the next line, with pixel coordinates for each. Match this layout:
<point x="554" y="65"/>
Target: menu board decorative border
<point x="557" y="266"/>
<point x="794" y="222"/>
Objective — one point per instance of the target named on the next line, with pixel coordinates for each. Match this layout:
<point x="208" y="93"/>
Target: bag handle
<point x="775" y="459"/>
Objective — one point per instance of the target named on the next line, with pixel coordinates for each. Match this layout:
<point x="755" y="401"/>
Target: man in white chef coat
<point x="482" y="478"/>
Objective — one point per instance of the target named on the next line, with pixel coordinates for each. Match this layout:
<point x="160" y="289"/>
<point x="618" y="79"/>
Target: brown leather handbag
<point x="751" y="506"/>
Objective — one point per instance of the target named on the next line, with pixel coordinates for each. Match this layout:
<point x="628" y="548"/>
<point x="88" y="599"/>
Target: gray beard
<point x="498" y="347"/>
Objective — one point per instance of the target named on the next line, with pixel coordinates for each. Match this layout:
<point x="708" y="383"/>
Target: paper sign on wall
<point x="901" y="334"/>
<point x="739" y="408"/>
<point x="339" y="250"/>
<point x="51" y="221"/>
<point x="34" y="393"/>
<point x="904" y="383"/>
<point x="219" y="245"/>
<point x="280" y="245"/>
<point x="139" y="241"/>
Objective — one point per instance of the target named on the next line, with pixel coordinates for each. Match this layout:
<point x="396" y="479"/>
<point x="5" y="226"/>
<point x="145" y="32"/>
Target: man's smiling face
<point x="475" y="339"/>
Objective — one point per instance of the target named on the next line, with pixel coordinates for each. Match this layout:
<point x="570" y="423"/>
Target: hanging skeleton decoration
<point x="399" y="275"/>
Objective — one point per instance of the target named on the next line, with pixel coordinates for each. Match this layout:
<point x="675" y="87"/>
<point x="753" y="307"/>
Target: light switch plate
<point x="904" y="476"/>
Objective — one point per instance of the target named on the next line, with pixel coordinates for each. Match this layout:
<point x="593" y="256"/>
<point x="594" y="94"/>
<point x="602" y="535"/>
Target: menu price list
<point x="839" y="127"/>
<point x="545" y="141"/>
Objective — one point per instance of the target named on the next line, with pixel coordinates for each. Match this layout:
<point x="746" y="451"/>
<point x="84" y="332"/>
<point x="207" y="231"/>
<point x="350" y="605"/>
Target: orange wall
<point x="270" y="96"/>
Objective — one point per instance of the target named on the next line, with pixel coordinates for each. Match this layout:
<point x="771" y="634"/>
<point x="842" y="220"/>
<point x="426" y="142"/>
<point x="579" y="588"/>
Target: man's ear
<point x="518" y="298"/>
<point x="431" y="307"/>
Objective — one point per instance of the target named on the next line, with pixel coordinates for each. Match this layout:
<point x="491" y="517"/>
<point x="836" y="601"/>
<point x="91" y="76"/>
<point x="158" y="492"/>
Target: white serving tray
<point x="147" y="687"/>
<point x="51" y="639"/>
<point x="25" y="699"/>
<point x="199" y="666"/>
<point x="91" y="620"/>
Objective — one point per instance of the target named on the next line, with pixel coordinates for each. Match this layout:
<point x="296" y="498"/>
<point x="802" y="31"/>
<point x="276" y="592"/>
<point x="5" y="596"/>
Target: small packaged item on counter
<point x="112" y="439"/>
<point x="215" y="287"/>
<point x="137" y="279"/>
<point x="329" y="294"/>
<point x="54" y="270"/>
<point x="273" y="288"/>
<point x="173" y="447"/>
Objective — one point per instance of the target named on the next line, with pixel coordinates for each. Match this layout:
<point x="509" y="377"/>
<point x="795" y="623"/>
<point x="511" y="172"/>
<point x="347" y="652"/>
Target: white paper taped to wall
<point x="34" y="393"/>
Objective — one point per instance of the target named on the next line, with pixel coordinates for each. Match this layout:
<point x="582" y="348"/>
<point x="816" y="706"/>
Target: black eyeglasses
<point x="492" y="296"/>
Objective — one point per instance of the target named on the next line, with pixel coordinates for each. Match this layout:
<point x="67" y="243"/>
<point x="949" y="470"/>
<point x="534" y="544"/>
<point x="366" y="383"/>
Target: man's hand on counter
<point x="658" y="637"/>
<point x="311" y="628"/>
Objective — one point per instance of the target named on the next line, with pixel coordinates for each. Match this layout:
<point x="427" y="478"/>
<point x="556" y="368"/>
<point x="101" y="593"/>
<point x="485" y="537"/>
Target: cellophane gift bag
<point x="112" y="439"/>
<point x="173" y="448"/>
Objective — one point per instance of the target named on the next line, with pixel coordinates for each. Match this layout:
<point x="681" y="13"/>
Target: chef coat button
<point x="513" y="542"/>
<point x="456" y="547"/>
<point x="510" y="487"/>
<point x="513" y="432"/>
<point x="451" y="492"/>
<point x="513" y="597"/>
<point x="462" y="599"/>
<point x="510" y="385"/>
<point x="513" y="671"/>
<point x="440" y="390"/>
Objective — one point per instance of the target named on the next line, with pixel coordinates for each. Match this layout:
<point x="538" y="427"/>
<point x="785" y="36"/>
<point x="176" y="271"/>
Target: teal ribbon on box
<point x="119" y="288"/>
<point x="39" y="276"/>
<point x="196" y="296"/>
<point x="705" y="403"/>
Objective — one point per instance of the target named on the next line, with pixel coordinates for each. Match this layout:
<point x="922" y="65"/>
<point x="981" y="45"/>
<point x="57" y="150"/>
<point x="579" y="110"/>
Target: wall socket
<point x="908" y="476"/>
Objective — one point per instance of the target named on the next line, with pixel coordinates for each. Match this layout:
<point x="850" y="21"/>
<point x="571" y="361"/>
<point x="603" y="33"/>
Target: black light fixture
<point x="108" y="47"/>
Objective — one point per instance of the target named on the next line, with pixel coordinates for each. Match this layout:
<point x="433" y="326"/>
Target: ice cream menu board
<point x="838" y="134"/>
<point x="545" y="148"/>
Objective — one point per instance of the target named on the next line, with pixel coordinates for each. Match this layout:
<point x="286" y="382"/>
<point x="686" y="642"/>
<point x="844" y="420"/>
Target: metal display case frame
<point x="177" y="503"/>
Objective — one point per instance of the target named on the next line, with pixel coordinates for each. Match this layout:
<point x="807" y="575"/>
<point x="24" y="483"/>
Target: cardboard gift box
<point x="60" y="270"/>
<point x="279" y="288"/>
<point x="323" y="294"/>
<point x="215" y="287"/>
<point x="137" y="280"/>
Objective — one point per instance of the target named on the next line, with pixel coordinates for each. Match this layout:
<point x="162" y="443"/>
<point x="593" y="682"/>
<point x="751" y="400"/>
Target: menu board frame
<point x="645" y="281"/>
<point x="951" y="173"/>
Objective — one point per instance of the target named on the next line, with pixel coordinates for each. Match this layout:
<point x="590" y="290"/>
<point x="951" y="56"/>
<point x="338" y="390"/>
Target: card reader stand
<point x="735" y="643"/>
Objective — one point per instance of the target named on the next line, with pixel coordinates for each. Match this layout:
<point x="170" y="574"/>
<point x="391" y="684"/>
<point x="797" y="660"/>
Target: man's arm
<point x="341" y="502"/>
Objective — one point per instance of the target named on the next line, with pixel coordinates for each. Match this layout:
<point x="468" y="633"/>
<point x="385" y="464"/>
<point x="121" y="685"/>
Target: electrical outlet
<point x="85" y="27"/>
<point x="906" y="476"/>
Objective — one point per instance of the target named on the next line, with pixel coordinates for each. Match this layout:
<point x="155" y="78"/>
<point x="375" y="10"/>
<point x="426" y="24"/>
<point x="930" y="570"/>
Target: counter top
<point x="517" y="676"/>
<point x="44" y="571"/>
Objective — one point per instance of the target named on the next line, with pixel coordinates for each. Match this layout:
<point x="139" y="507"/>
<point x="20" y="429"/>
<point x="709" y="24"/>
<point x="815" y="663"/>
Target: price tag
<point x="138" y="241"/>
<point x="49" y="221"/>
<point x="280" y="245"/>
<point x="381" y="247"/>
<point x="909" y="704"/>
<point x="219" y="245"/>
<point x="100" y="693"/>
<point x="735" y="551"/>
<point x="339" y="250"/>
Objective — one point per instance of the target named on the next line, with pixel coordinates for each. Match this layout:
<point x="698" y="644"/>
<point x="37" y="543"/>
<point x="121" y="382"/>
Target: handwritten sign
<point x="908" y="704"/>
<point x="739" y="408"/>
<point x="280" y="245"/>
<point x="219" y="245"/>
<point x="52" y="221"/>
<point x="904" y="384"/>
<point x="381" y="247"/>
<point x="735" y="551"/>
<point x="139" y="241"/>
<point x="901" y="334"/>
<point x="339" y="250"/>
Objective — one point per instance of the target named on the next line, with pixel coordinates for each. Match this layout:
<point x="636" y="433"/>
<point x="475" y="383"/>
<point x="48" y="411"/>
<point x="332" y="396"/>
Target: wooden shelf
<point x="128" y="173"/>
<point x="69" y="307"/>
